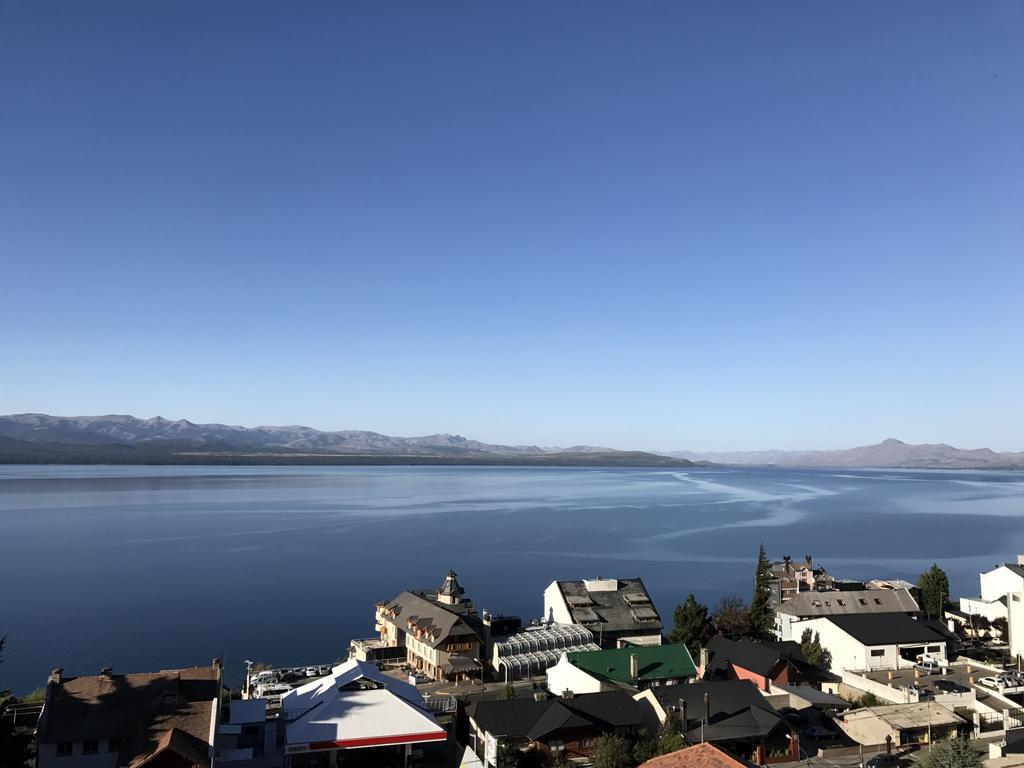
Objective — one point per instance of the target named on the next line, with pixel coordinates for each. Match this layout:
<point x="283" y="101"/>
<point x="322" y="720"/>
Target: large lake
<point x="149" y="567"/>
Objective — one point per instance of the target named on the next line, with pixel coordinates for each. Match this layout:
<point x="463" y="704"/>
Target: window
<point x="586" y="743"/>
<point x="250" y="730"/>
<point x="841" y="602"/>
<point x="90" y="747"/>
<point x="113" y="745"/>
<point x="933" y="649"/>
<point x="862" y="601"/>
<point x="877" y="601"/>
<point x="876" y="652"/>
<point x="64" y="749"/>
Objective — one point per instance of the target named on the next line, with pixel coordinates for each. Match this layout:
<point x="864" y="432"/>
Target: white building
<point x="355" y="707"/>
<point x="618" y="611"/>
<point x="996" y="584"/>
<point x="808" y="605"/>
<point x="876" y="640"/>
<point x="1015" y="622"/>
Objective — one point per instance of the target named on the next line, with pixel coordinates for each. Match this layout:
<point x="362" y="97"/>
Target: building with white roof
<point x="355" y="707"/>
<point x="618" y="612"/>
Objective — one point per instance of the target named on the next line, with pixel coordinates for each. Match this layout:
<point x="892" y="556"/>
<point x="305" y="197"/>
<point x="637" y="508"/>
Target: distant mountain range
<point x="39" y="438"/>
<point x="889" y="453"/>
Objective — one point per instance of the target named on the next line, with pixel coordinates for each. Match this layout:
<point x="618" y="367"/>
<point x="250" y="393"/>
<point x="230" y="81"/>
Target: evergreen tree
<point x="693" y="626"/>
<point x="934" y="586"/>
<point x="670" y="736"/>
<point x="612" y="751"/>
<point x="810" y="647"/>
<point x="762" y="615"/>
<point x="955" y="753"/>
<point x="732" y="619"/>
<point x="509" y="692"/>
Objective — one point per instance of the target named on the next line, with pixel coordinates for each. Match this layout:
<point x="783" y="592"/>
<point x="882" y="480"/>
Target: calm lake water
<point x="149" y="567"/>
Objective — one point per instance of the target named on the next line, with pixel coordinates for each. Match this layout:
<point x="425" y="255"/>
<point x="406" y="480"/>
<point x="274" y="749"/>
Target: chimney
<point x="56" y="676"/>
<point x="707" y="708"/>
<point x="1020" y="559"/>
<point x="567" y="694"/>
<point x="107" y="671"/>
<point x="634" y="667"/>
<point x="486" y="617"/>
<point x="682" y="715"/>
<point x="705" y="658"/>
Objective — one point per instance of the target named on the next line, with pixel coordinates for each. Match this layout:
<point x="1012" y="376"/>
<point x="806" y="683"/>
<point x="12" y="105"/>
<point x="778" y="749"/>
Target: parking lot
<point x="963" y="675"/>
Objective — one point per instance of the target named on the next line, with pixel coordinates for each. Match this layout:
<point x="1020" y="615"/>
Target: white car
<point x="992" y="682"/>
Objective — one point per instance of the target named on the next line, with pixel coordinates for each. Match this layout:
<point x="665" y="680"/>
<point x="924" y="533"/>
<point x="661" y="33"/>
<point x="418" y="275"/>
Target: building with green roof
<point x="636" y="667"/>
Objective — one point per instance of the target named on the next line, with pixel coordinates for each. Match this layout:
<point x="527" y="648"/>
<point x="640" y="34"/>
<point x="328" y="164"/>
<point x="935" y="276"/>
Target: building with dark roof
<point x="618" y="611"/>
<point x="163" y="719"/>
<point x="765" y="664"/>
<point x="443" y="635"/>
<point x="566" y="727"/>
<point x="731" y="714"/>
<point x="861" y="642"/>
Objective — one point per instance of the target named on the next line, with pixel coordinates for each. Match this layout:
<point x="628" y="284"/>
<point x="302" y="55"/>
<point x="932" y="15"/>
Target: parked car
<point x="992" y="682"/>
<point x="1009" y="680"/>
<point x="948" y="686"/>
<point x="883" y="760"/>
<point x="929" y="666"/>
<point x="418" y="678"/>
<point x="819" y="732"/>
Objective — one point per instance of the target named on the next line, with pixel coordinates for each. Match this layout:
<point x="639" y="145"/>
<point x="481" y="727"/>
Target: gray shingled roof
<point x="626" y="608"/>
<point x="433" y="618"/>
<point x="808" y="604"/>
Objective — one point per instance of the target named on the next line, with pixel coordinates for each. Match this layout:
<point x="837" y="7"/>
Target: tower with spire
<point x="450" y="592"/>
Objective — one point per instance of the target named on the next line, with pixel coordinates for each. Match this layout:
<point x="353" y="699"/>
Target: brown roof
<point x="187" y="748"/>
<point x="699" y="756"/>
<point x="139" y="710"/>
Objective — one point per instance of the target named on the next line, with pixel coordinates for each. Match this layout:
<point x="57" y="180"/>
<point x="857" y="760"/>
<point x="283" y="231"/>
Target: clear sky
<point x="653" y="225"/>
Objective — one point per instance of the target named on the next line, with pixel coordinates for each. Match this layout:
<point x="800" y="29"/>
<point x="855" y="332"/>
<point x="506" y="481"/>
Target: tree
<point x="670" y="736"/>
<point x="13" y="744"/>
<point x="644" y="748"/>
<point x="693" y="626"/>
<point x="954" y="753"/>
<point x="508" y="756"/>
<point x="762" y="615"/>
<point x="934" y="586"/>
<point x="1001" y="625"/>
<point x="732" y="619"/>
<point x="612" y="751"/>
<point x="810" y="647"/>
<point x="509" y="692"/>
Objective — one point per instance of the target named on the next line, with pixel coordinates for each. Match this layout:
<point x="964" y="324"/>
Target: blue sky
<point x="649" y="225"/>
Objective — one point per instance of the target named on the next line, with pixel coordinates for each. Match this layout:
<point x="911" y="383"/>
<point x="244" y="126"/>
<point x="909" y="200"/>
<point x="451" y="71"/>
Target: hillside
<point x="890" y="453"/>
<point x="119" y="439"/>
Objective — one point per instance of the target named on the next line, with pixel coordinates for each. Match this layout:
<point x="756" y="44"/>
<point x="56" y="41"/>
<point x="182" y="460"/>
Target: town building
<point x="535" y="649"/>
<point x="618" y="611"/>
<point x="698" y="756"/>
<point x="763" y="664"/>
<point x="808" y="605"/>
<point x="904" y="724"/>
<point x="165" y="719"/>
<point x="996" y="584"/>
<point x="1015" y="623"/>
<point x="877" y="640"/>
<point x="443" y="635"/>
<point x="789" y="578"/>
<point x="633" y="668"/>
<point x="358" y="708"/>
<point x="731" y="714"/>
<point x="560" y="728"/>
